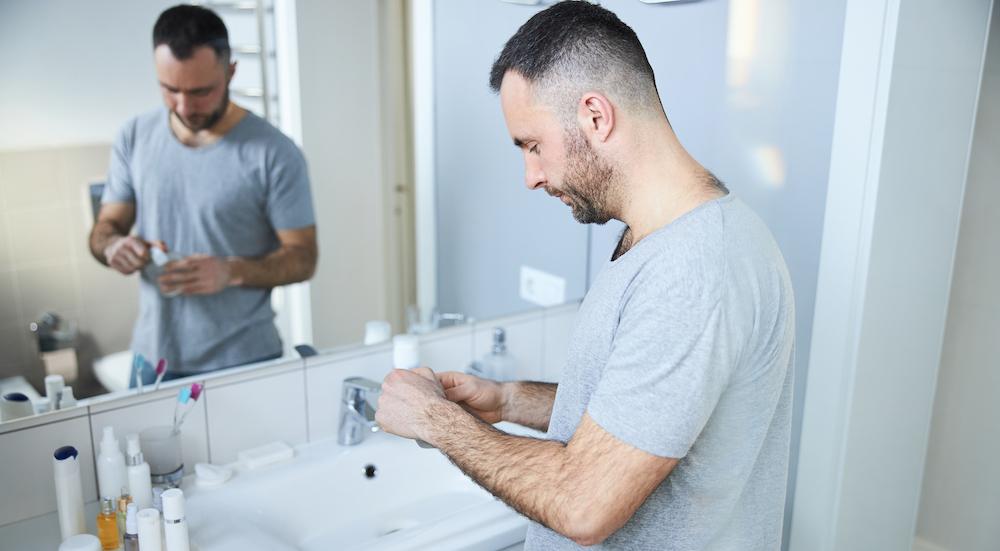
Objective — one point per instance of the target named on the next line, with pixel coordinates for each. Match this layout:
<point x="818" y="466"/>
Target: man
<point x="224" y="191"/>
<point x="670" y="427"/>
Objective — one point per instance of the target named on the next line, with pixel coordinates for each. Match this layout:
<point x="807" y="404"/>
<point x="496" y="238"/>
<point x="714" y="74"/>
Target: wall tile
<point x="27" y="473"/>
<point x="29" y="178"/>
<point x="5" y="245"/>
<point x="49" y="289"/>
<point x="252" y="413"/>
<point x="159" y="412"/>
<point x="524" y="342"/>
<point x="40" y="235"/>
<point x="77" y="167"/>
<point x="448" y="350"/>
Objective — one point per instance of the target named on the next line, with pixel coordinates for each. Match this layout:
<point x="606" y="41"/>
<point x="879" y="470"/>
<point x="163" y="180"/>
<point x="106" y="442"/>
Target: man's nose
<point x="534" y="176"/>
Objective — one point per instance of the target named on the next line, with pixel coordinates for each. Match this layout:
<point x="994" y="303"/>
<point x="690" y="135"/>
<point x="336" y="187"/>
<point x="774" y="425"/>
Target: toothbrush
<point x="186" y="401"/>
<point x="137" y="365"/>
<point x="183" y="397"/>
<point x="161" y="370"/>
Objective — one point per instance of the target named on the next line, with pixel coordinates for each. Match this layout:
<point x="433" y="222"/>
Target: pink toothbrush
<point x="187" y="401"/>
<point x="161" y="370"/>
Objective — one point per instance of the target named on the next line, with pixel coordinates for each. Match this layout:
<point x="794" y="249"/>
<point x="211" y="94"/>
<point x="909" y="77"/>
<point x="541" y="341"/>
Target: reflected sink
<point x="383" y="494"/>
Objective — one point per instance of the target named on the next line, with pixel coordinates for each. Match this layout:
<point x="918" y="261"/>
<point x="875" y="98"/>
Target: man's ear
<point x="231" y="70"/>
<point x="596" y="116"/>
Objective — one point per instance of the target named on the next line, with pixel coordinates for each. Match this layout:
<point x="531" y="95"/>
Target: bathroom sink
<point x="383" y="494"/>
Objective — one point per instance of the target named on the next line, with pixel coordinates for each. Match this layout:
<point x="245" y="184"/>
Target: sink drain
<point x="370" y="471"/>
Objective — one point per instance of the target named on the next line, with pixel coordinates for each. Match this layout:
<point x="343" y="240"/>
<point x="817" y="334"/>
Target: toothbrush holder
<point x="161" y="448"/>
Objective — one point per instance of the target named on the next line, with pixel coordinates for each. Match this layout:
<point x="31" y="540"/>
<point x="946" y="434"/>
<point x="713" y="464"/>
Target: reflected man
<point x="218" y="188"/>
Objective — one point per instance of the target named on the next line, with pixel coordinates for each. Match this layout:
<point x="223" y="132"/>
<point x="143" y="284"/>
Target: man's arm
<point x="523" y="402"/>
<point x="110" y="242"/>
<point x="529" y="403"/>
<point x="294" y="261"/>
<point x="585" y="489"/>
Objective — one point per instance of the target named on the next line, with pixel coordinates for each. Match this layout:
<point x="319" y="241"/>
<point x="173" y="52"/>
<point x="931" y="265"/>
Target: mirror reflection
<point x="186" y="192"/>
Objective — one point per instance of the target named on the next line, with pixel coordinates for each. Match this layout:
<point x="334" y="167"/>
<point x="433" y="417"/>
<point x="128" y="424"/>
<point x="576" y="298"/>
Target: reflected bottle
<point x="107" y="525"/>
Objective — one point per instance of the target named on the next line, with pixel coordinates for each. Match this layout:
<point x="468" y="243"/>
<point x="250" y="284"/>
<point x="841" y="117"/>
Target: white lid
<point x="148" y="519"/>
<point x="132" y="444"/>
<point x="173" y="504"/>
<point x="81" y="542"/>
<point x="66" y="462"/>
<point x="54" y="379"/>
<point x="131" y="527"/>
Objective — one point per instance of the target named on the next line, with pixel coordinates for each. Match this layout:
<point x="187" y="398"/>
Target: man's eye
<point x="534" y="149"/>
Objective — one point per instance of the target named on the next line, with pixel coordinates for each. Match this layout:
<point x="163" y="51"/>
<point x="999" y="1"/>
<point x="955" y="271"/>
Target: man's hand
<point x="407" y="400"/>
<point x="481" y="397"/>
<point x="127" y="254"/>
<point x="195" y="275"/>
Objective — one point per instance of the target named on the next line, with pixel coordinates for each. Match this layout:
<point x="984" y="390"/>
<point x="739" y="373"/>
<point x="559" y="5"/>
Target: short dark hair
<point x="183" y="28"/>
<point x="576" y="43"/>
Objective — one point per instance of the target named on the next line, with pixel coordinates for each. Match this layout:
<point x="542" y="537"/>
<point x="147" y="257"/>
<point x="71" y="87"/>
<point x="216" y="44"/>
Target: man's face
<point x="195" y="89"/>
<point x="558" y="160"/>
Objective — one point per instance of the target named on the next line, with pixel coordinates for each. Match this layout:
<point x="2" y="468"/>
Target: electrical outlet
<point x="542" y="288"/>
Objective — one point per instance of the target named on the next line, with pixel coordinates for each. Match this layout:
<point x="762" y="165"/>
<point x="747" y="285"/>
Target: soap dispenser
<point x="498" y="364"/>
<point x="110" y="465"/>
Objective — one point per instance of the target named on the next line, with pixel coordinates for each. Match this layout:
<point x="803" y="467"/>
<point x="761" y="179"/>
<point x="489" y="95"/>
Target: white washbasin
<point x="322" y="500"/>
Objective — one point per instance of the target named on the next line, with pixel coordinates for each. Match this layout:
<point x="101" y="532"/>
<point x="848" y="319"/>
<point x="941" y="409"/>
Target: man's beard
<point x="591" y="183"/>
<point x="213" y="117"/>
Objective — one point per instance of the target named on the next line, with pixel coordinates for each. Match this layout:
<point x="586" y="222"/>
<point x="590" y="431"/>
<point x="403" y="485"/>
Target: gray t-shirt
<point x="223" y="199"/>
<point x="683" y="348"/>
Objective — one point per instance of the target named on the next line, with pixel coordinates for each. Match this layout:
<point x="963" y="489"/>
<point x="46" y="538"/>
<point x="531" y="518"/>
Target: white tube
<point x="149" y="530"/>
<point x="175" y="526"/>
<point x="69" y="492"/>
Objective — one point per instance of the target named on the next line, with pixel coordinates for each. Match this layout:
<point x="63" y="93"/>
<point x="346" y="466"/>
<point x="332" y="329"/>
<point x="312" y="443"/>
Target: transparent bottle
<point x="107" y="525"/>
<point x="498" y="365"/>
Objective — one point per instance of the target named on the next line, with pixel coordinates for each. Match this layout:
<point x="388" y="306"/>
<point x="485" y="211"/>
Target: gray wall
<point x="488" y="223"/>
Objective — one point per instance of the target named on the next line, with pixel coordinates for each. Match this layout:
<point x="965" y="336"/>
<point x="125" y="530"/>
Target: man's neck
<point x="206" y="136"/>
<point x="663" y="182"/>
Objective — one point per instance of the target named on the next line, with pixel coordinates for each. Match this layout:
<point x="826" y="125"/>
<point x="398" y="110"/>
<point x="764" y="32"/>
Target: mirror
<point x="68" y="90"/>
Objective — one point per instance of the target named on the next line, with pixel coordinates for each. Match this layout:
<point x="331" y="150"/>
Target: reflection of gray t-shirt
<point x="683" y="348"/>
<point x="223" y="199"/>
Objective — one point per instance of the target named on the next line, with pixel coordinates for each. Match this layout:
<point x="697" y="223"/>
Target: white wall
<point x="910" y="76"/>
<point x="72" y="72"/>
<point x="960" y="503"/>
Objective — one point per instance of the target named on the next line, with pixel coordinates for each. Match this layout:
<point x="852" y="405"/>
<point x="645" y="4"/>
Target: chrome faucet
<point x="357" y="410"/>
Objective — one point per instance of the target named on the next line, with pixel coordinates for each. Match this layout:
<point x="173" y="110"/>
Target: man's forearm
<point x="535" y="477"/>
<point x="103" y="233"/>
<point x="288" y="264"/>
<point x="529" y="403"/>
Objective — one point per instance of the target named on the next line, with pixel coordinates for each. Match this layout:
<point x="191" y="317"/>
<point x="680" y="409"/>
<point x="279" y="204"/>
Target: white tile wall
<point x="136" y="417"/>
<point x="448" y="350"/>
<point x="254" y="412"/>
<point x="290" y="401"/>
<point x="26" y="472"/>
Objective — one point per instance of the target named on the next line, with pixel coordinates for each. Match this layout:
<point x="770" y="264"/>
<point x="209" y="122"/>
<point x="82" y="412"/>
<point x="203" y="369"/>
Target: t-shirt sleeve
<point x="289" y="199"/>
<point x="120" y="187"/>
<point x="667" y="368"/>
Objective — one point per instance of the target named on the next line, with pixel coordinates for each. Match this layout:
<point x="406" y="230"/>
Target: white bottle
<point x="53" y="387"/>
<point x="140" y="486"/>
<point x="405" y="352"/>
<point x="110" y="466"/>
<point x="69" y="492"/>
<point x="498" y="364"/>
<point x="149" y="530"/>
<point x="175" y="527"/>
<point x="66" y="398"/>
